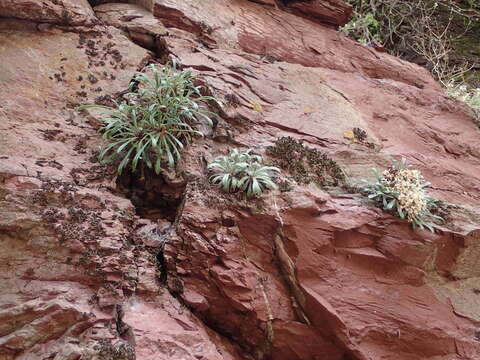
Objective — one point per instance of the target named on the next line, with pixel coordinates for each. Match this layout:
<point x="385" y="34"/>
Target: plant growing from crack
<point x="470" y="96"/>
<point x="365" y="28"/>
<point x="156" y="121"/>
<point x="243" y="171"/>
<point x="402" y="192"/>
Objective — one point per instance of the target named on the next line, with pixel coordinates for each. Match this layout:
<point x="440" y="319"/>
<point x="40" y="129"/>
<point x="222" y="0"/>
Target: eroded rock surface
<point x="308" y="273"/>
<point x="138" y="22"/>
<point x="68" y="263"/>
<point x="63" y="12"/>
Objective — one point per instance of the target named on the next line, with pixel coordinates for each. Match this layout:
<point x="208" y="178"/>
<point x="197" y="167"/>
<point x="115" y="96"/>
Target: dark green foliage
<point x="438" y="34"/>
<point x="156" y="122"/>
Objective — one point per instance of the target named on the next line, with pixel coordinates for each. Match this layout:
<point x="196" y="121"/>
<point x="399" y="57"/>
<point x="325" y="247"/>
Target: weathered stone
<point x="139" y="23"/>
<point x="304" y="274"/>
<point x="168" y="333"/>
<point x="334" y="12"/>
<point x="62" y="12"/>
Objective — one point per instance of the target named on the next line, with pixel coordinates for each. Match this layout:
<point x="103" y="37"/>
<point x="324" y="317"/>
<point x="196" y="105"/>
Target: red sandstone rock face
<point x="140" y="24"/>
<point x="306" y="274"/>
<point x="64" y="12"/>
<point x="369" y="287"/>
<point x="334" y="12"/>
<point x="67" y="261"/>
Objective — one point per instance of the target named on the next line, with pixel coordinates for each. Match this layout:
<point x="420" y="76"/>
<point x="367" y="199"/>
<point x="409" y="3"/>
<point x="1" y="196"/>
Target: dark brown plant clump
<point x="285" y="186"/>
<point x="304" y="164"/>
<point x="360" y="134"/>
<point x="232" y="100"/>
<point x="118" y="352"/>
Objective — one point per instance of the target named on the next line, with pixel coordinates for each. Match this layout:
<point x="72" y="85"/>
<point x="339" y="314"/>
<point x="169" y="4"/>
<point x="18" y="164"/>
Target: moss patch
<point x="305" y="164"/>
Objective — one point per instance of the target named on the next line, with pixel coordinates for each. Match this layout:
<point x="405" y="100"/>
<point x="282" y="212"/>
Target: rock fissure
<point x="269" y="332"/>
<point x="287" y="268"/>
<point x="139" y="266"/>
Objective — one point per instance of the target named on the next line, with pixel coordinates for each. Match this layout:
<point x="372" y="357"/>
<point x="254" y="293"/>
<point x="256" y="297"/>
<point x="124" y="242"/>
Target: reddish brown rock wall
<point x="305" y="274"/>
<point x="63" y="12"/>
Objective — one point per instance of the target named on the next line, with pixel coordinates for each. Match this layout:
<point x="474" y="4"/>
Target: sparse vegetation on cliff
<point x="305" y="164"/>
<point x="402" y="192"/>
<point x="432" y="33"/>
<point x="243" y="171"/>
<point x="471" y="97"/>
<point x="156" y="122"/>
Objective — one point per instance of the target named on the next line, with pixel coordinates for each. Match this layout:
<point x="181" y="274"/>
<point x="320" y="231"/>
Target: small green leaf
<point x="391" y="204"/>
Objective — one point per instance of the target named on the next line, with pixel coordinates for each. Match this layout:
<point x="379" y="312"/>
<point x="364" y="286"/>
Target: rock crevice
<point x="99" y="266"/>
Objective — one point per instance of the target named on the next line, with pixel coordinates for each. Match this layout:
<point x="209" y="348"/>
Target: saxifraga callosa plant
<point x="156" y="122"/>
<point x="243" y="171"/>
<point x="402" y="192"/>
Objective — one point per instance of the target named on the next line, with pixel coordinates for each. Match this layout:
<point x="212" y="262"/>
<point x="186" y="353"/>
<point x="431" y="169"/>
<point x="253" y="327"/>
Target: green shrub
<point x="401" y="191"/>
<point x="435" y="33"/>
<point x="156" y="122"/>
<point x="363" y="28"/>
<point x="243" y="171"/>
